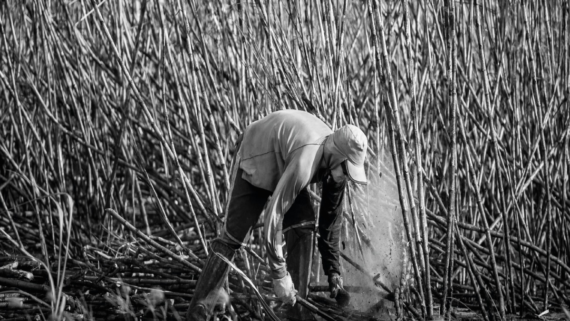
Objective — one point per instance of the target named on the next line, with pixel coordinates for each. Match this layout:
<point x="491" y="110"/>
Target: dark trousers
<point x="246" y="204"/>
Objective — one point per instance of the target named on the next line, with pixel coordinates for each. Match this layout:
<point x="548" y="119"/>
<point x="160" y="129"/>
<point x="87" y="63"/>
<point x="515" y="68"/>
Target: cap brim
<point x="356" y="173"/>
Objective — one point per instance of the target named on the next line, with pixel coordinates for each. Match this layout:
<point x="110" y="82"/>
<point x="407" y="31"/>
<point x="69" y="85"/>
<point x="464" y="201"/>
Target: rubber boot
<point x="299" y="258"/>
<point x="209" y="288"/>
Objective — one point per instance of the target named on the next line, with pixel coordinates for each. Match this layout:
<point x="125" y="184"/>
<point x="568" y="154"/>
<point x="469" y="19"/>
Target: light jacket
<point x="282" y="153"/>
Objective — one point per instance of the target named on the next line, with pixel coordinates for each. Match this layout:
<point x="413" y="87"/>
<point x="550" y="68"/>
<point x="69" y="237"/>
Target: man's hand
<point x="337" y="290"/>
<point x="285" y="290"/>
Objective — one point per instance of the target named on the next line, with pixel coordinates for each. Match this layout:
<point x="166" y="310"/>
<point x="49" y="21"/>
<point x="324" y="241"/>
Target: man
<point x="279" y="156"/>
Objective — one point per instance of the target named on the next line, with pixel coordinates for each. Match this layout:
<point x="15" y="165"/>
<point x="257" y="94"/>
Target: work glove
<point x="337" y="290"/>
<point x="285" y="290"/>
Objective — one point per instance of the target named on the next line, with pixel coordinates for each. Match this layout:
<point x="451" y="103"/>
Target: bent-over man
<point x="279" y="156"/>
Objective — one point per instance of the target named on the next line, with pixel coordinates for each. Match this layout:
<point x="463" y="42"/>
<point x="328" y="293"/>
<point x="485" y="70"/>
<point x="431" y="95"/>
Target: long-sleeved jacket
<point x="282" y="153"/>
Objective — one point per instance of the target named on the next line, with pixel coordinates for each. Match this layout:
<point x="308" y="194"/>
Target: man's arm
<point x="330" y="219"/>
<point x="294" y="179"/>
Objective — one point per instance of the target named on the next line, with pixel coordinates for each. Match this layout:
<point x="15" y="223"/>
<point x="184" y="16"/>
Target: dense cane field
<point x="118" y="121"/>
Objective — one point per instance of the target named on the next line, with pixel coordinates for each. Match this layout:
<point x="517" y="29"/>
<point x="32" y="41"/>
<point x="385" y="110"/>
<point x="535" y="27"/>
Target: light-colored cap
<point x="351" y="143"/>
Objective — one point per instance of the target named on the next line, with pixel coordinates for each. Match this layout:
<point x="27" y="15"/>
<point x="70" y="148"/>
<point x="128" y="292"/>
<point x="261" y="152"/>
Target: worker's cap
<point x="351" y="143"/>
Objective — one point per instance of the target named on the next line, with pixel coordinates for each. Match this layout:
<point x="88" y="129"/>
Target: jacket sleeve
<point x="297" y="176"/>
<point x="330" y="219"/>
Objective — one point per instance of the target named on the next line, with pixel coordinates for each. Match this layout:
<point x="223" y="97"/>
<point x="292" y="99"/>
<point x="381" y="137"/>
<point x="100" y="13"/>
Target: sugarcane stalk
<point x="325" y="288"/>
<point x="564" y="238"/>
<point x="394" y="111"/>
<point x="548" y="223"/>
<point x="424" y="235"/>
<point x="419" y="220"/>
<point x="314" y="309"/>
<point x="452" y="106"/>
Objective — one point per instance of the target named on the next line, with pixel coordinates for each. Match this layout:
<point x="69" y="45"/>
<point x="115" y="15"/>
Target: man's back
<point x="270" y="144"/>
